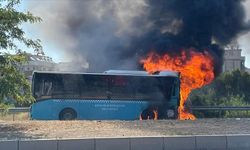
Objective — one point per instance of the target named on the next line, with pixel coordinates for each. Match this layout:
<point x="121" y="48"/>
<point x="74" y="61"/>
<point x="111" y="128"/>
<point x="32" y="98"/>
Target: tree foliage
<point x="226" y="86"/>
<point x="232" y="84"/>
<point x="14" y="87"/>
<point x="10" y="30"/>
<point x="229" y="89"/>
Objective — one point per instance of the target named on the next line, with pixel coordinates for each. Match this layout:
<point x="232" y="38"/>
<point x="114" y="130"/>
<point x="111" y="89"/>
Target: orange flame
<point x="196" y="70"/>
<point x="155" y="115"/>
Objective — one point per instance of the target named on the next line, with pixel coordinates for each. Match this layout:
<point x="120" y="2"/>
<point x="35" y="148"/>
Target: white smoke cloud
<point x="99" y="22"/>
<point x="244" y="40"/>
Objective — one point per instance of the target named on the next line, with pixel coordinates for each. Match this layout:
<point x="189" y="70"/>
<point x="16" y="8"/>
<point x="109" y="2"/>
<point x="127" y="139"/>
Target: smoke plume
<point x="115" y="34"/>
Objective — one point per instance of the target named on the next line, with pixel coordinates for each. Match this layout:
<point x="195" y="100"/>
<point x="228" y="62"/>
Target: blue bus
<point x="112" y="95"/>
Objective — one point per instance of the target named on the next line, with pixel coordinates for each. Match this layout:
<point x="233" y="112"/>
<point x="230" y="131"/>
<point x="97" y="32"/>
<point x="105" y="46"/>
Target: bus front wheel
<point x="148" y="114"/>
<point x="67" y="114"/>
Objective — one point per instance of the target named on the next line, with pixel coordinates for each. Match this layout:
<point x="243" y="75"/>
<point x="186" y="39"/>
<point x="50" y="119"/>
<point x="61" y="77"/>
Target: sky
<point x="53" y="50"/>
<point x="49" y="48"/>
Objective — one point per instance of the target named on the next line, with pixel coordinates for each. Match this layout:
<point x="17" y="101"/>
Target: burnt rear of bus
<point x="112" y="95"/>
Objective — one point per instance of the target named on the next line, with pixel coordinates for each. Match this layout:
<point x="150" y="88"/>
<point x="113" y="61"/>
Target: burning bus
<point x="183" y="36"/>
<point x="114" y="94"/>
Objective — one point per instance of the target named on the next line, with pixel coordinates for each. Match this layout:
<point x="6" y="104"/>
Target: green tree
<point x="227" y="85"/>
<point x="234" y="83"/>
<point x="228" y="89"/>
<point x="13" y="85"/>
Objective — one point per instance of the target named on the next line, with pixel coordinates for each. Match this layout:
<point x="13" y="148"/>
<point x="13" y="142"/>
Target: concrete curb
<point x="199" y="142"/>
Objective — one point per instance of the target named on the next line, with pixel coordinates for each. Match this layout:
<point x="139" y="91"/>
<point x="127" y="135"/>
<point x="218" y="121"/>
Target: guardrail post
<point x="220" y="111"/>
<point x="13" y="117"/>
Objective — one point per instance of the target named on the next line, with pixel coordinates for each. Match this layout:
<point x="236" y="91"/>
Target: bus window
<point x="143" y="87"/>
<point x="47" y="87"/>
<point x="38" y="89"/>
<point x="70" y="86"/>
<point x="94" y="86"/>
<point x="43" y="87"/>
<point x="174" y="89"/>
<point x="164" y="86"/>
<point x="121" y="87"/>
<point x="57" y="86"/>
<point x="156" y="88"/>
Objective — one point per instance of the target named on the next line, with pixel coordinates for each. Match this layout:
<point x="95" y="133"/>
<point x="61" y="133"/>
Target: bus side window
<point x="70" y="86"/>
<point x="57" y="87"/>
<point x="38" y="89"/>
<point x="174" y="90"/>
<point x="47" y="86"/>
<point x="143" y="89"/>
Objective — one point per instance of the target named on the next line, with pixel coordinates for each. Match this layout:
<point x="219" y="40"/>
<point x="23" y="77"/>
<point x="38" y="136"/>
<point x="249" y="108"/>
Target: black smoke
<point x="201" y="24"/>
<point x="113" y="34"/>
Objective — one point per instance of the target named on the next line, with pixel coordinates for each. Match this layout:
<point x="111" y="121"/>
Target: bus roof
<point x="116" y="72"/>
<point x="142" y="73"/>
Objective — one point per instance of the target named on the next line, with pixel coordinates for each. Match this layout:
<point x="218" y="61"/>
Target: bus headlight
<point x="170" y="113"/>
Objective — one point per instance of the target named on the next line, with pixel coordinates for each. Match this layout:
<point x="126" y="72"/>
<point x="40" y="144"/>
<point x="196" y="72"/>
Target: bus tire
<point x="172" y="113"/>
<point x="67" y="114"/>
<point x="147" y="115"/>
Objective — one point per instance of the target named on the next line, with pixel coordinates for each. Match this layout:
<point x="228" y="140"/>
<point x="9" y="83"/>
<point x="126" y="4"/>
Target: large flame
<point x="196" y="70"/>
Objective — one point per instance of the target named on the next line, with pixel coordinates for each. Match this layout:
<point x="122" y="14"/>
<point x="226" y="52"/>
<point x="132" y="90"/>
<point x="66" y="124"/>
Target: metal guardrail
<point x="15" y="110"/>
<point x="221" y="108"/>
